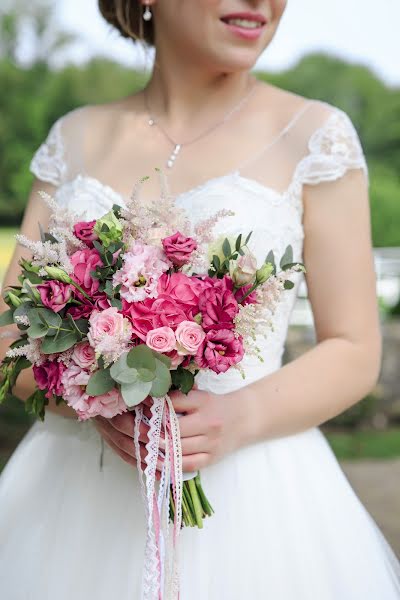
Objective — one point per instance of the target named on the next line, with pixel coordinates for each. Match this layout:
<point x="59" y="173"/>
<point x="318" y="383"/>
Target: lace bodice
<point x="275" y="217"/>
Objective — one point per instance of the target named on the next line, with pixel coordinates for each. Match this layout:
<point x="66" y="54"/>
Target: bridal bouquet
<point x="129" y="306"/>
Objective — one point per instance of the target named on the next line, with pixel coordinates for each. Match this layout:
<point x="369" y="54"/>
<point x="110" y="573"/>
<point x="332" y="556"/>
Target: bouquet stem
<point x="195" y="506"/>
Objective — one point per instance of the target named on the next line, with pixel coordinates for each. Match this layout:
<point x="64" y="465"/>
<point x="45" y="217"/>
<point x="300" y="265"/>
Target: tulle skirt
<point x="287" y="525"/>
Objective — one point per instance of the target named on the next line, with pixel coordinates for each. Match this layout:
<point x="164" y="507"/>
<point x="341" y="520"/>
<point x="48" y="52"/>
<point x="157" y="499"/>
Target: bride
<point x="287" y="524"/>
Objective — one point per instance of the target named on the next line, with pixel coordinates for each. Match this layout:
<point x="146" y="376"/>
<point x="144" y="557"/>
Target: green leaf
<point x="116" y="303"/>
<point x="100" y="383"/>
<point x="289" y="266"/>
<point x="287" y="257"/>
<point x="146" y="374"/>
<point x="64" y="341"/>
<point x="226" y="247"/>
<point x="162" y="383"/>
<point x="165" y="359"/>
<point x="248" y="238"/>
<point x="7" y="318"/>
<point x="134" y="393"/>
<point x="141" y="357"/>
<point x="36" y="404"/>
<point x="121" y="372"/>
<point x="183" y="380"/>
<point x="288" y="285"/>
<point x="216" y="262"/>
<point x="238" y="243"/>
<point x="32" y="277"/>
<point x="271" y="259"/>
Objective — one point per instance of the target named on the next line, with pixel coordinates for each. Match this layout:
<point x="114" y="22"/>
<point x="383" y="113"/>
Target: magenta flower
<point x="178" y="248"/>
<point x="55" y="295"/>
<point x="48" y="376"/>
<point x="220" y="350"/>
<point x="84" y="230"/>
<point x="218" y="306"/>
<point x="183" y="290"/>
<point x="84" y="262"/>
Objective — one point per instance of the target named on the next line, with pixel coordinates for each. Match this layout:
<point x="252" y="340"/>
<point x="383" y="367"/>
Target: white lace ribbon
<point x="161" y="567"/>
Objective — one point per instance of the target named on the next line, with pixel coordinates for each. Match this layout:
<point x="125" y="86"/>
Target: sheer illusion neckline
<point x="232" y="174"/>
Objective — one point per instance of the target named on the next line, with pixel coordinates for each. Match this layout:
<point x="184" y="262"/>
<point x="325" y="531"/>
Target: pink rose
<point x="218" y="306"/>
<point x="109" y="333"/>
<point x="153" y="313"/>
<point x="74" y="381"/>
<point x="189" y="336"/>
<point x="48" y="376"/>
<point x="220" y="350"/>
<point x="107" y="405"/>
<point x="84" y="230"/>
<point x="55" y="295"/>
<point x="84" y="355"/>
<point x="84" y="262"/>
<point x="161" y="339"/>
<point x="178" y="248"/>
<point x="185" y="291"/>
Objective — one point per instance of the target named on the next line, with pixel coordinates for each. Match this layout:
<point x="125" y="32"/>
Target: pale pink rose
<point x="74" y="381"/>
<point x="110" y="333"/>
<point x="142" y="267"/>
<point x="189" y="336"/>
<point x="107" y="405"/>
<point x="243" y="270"/>
<point x="84" y="355"/>
<point x="161" y="339"/>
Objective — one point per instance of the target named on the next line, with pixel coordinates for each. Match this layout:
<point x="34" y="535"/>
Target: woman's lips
<point x="245" y="25"/>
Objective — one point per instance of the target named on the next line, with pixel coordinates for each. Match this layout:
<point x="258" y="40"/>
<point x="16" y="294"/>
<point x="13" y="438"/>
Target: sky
<point x="361" y="31"/>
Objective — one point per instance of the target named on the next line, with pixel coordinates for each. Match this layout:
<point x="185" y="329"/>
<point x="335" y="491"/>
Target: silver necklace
<point x="177" y="146"/>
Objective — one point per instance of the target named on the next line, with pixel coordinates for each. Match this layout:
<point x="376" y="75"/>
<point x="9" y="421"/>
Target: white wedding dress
<point x="287" y="524"/>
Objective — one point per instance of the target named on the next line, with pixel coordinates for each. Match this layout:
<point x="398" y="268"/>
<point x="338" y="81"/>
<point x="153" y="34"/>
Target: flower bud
<point x="58" y="274"/>
<point x="264" y="273"/>
<point x="15" y="301"/>
<point x="245" y="269"/>
<point x="113" y="228"/>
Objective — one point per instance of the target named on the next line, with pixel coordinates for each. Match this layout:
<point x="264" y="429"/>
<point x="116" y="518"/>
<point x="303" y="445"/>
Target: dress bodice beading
<point x="275" y="218"/>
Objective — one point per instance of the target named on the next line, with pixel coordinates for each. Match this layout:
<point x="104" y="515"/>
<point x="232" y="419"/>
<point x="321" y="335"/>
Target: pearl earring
<point x="147" y="15"/>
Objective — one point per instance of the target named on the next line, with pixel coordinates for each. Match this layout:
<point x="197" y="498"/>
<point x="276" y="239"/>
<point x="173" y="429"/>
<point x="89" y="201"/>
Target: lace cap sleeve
<point x="60" y="157"/>
<point x="48" y="163"/>
<point x="334" y="149"/>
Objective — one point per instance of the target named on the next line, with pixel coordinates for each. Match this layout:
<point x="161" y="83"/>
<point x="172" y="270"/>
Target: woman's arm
<point x="339" y="371"/>
<point x="36" y="212"/>
<point x="345" y="364"/>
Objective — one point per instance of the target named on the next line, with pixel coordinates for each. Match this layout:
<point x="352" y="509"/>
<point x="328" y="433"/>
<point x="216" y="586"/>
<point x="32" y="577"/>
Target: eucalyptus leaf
<point x="288" y="285"/>
<point x="121" y="372"/>
<point x="165" y="359"/>
<point x="162" y="383"/>
<point x="37" y="330"/>
<point x="133" y="394"/>
<point x="141" y="357"/>
<point x="7" y="318"/>
<point x="287" y="257"/>
<point x="100" y="383"/>
<point x="226" y="247"/>
<point x="64" y="341"/>
<point x="146" y="374"/>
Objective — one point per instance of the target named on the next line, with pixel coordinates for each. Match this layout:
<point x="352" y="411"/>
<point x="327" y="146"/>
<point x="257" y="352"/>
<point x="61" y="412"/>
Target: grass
<point x="358" y="445"/>
<point x="7" y="243"/>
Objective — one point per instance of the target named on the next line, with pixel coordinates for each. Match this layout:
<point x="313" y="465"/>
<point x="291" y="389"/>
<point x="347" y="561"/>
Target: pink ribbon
<point x="161" y="571"/>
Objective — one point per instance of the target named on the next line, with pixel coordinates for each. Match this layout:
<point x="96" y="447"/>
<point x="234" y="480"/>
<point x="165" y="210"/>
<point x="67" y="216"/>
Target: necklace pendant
<point x="173" y="156"/>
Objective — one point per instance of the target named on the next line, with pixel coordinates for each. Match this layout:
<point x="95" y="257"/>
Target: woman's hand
<point x="118" y="434"/>
<point x="213" y="426"/>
